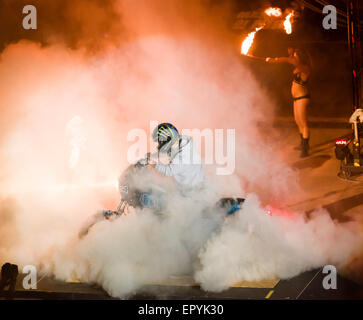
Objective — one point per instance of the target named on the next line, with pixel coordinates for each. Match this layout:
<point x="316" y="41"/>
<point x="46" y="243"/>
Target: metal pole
<point x="355" y="55"/>
<point x="354" y="49"/>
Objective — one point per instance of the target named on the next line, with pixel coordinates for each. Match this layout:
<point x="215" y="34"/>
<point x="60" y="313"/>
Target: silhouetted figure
<point x="301" y="61"/>
<point x="9" y="274"/>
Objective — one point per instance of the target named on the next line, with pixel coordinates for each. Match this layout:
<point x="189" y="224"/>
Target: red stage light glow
<point x="341" y="142"/>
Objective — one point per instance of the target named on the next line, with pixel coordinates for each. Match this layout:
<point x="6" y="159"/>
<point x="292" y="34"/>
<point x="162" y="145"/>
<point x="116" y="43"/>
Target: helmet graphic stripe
<point x="163" y="133"/>
<point x="171" y="132"/>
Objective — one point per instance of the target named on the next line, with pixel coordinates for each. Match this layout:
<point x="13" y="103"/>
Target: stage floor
<point x="305" y="286"/>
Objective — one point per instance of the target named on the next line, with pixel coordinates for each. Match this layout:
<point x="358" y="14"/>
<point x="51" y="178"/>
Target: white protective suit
<point x="185" y="166"/>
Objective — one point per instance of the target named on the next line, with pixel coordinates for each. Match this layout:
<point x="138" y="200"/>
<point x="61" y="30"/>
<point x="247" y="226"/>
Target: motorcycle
<point x="140" y="187"/>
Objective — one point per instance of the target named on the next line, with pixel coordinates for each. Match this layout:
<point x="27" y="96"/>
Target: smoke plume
<point x="74" y="98"/>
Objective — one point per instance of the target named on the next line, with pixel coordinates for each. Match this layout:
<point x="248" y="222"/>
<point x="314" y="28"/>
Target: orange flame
<point x="248" y="41"/>
<point x="288" y="22"/>
<point x="276" y="12"/>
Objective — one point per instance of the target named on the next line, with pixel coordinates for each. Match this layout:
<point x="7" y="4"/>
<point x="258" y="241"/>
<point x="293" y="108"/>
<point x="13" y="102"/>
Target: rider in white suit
<point x="185" y="164"/>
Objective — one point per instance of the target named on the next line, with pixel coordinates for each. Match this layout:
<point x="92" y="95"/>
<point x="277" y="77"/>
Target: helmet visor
<point x="162" y="141"/>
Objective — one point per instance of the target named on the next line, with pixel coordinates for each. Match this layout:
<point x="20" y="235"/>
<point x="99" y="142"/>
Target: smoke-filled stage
<point x="178" y="149"/>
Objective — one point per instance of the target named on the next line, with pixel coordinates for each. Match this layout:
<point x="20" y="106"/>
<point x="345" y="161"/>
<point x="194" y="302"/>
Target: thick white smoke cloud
<point x="254" y="245"/>
<point x="184" y="80"/>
